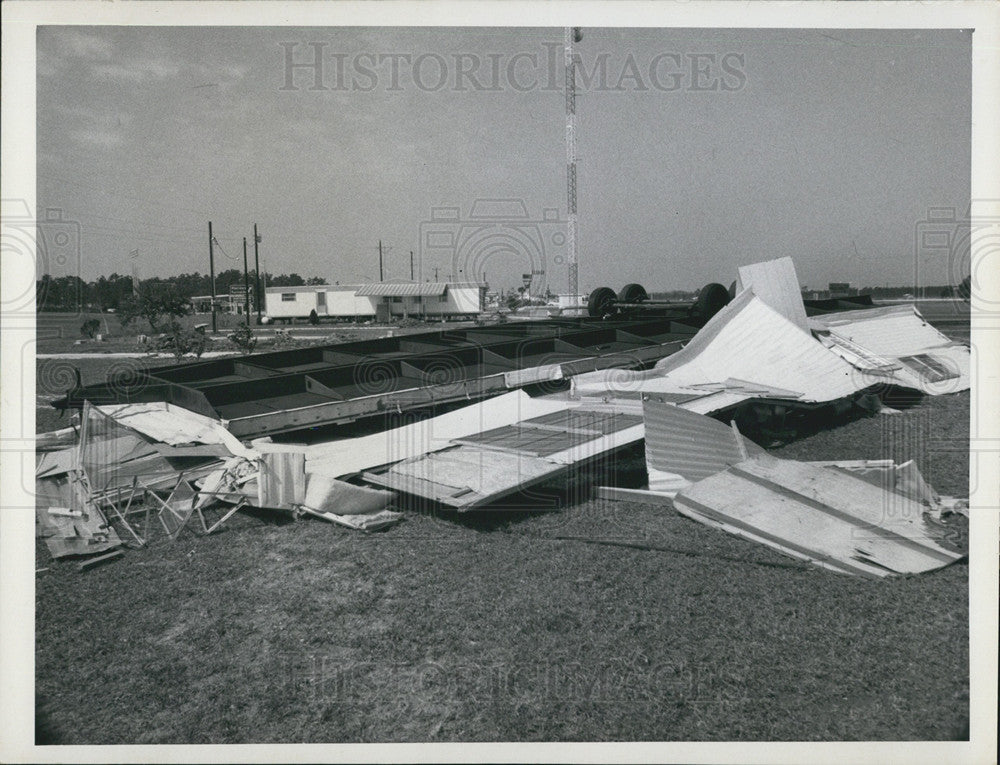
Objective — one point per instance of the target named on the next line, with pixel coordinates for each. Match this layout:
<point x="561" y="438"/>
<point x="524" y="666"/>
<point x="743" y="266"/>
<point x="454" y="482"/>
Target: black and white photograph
<point x="504" y="382"/>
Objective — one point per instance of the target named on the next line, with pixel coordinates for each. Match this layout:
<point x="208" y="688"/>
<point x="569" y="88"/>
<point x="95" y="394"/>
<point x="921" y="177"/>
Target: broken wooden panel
<point x="824" y="516"/>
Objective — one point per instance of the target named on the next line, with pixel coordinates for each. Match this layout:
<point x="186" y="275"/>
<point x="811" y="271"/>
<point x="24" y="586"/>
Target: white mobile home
<point x="381" y="300"/>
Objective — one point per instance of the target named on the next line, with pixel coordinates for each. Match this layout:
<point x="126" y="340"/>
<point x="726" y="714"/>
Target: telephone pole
<point x="256" y="271"/>
<point x="572" y="35"/>
<point x="211" y="270"/>
<point x="246" y="285"/>
<point x="380" y="270"/>
<point x="411" y="265"/>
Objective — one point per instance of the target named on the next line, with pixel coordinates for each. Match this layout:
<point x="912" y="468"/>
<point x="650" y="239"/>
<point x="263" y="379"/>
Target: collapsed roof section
<point x="291" y="390"/>
<point x="747" y="350"/>
<point x="895" y="344"/>
<point x="483" y="468"/>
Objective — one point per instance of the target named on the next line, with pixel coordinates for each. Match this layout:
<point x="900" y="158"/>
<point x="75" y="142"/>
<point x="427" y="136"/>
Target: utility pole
<point x="435" y="273"/>
<point x="572" y="35"/>
<point x="246" y="285"/>
<point x="411" y="265"/>
<point x="256" y="271"/>
<point x="381" y="275"/>
<point x="211" y="270"/>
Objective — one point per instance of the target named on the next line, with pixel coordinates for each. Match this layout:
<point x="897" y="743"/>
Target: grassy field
<point x="603" y="621"/>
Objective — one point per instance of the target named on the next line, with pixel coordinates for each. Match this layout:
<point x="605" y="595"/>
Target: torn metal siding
<point x="776" y="283"/>
<point x="689" y="444"/>
<point x="824" y="516"/>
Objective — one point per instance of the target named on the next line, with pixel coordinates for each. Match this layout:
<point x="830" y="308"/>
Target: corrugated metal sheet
<point x="689" y="444"/>
<point x="824" y="516"/>
<point x="776" y="283"/>
<point x="405" y="289"/>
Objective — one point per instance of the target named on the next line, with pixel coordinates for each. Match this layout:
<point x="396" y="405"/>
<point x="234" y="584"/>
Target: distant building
<point x="842" y="289"/>
<point x="382" y="301"/>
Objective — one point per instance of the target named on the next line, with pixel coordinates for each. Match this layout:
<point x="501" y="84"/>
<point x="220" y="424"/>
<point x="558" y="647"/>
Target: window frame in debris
<point x="929" y="368"/>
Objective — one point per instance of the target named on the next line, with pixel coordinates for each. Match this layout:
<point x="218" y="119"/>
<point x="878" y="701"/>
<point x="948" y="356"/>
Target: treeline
<point x="71" y="293"/>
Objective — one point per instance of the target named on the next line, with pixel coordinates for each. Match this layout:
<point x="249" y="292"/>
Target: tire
<point x="601" y="302"/>
<point x="633" y="293"/>
<point x="313" y="317"/>
<point x="712" y="299"/>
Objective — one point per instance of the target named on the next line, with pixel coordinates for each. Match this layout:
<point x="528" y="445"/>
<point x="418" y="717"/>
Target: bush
<point x="89" y="328"/>
<point x="184" y="341"/>
<point x="244" y="339"/>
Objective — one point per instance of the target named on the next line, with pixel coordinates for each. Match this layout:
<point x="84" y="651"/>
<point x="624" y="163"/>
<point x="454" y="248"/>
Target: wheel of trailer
<point x="633" y="293"/>
<point x="313" y="317"/>
<point x="712" y="299"/>
<point x="601" y="302"/>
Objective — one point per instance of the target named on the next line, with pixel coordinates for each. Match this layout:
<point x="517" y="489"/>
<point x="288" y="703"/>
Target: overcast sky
<point x="699" y="150"/>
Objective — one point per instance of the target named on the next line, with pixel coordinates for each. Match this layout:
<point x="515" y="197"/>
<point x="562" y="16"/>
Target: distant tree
<point x="154" y="305"/>
<point x="315" y="280"/>
<point x="289" y="280"/>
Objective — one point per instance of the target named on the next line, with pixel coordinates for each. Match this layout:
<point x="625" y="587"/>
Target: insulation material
<point x="690" y="445"/>
<point x="353" y="455"/>
<point x="329" y="495"/>
<point x="824" y="516"/>
<point x="776" y="283"/>
<point x="747" y="350"/>
<point x="370" y="522"/>
<point x="920" y="356"/>
<point x="174" y="425"/>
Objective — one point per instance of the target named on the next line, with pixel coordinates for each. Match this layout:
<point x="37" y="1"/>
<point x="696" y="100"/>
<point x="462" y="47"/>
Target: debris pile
<point x="760" y="363"/>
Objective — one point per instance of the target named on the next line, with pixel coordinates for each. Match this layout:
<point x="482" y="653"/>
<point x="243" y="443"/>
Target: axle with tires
<point x="633" y="298"/>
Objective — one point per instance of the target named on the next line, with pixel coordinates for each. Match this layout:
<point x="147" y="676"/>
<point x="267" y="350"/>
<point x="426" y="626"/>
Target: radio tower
<point x="572" y="35"/>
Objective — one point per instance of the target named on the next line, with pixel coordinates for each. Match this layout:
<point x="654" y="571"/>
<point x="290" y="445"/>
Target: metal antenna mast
<point x="572" y="35"/>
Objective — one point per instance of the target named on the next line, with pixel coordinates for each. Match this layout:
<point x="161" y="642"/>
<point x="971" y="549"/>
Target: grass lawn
<point x="604" y="621"/>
